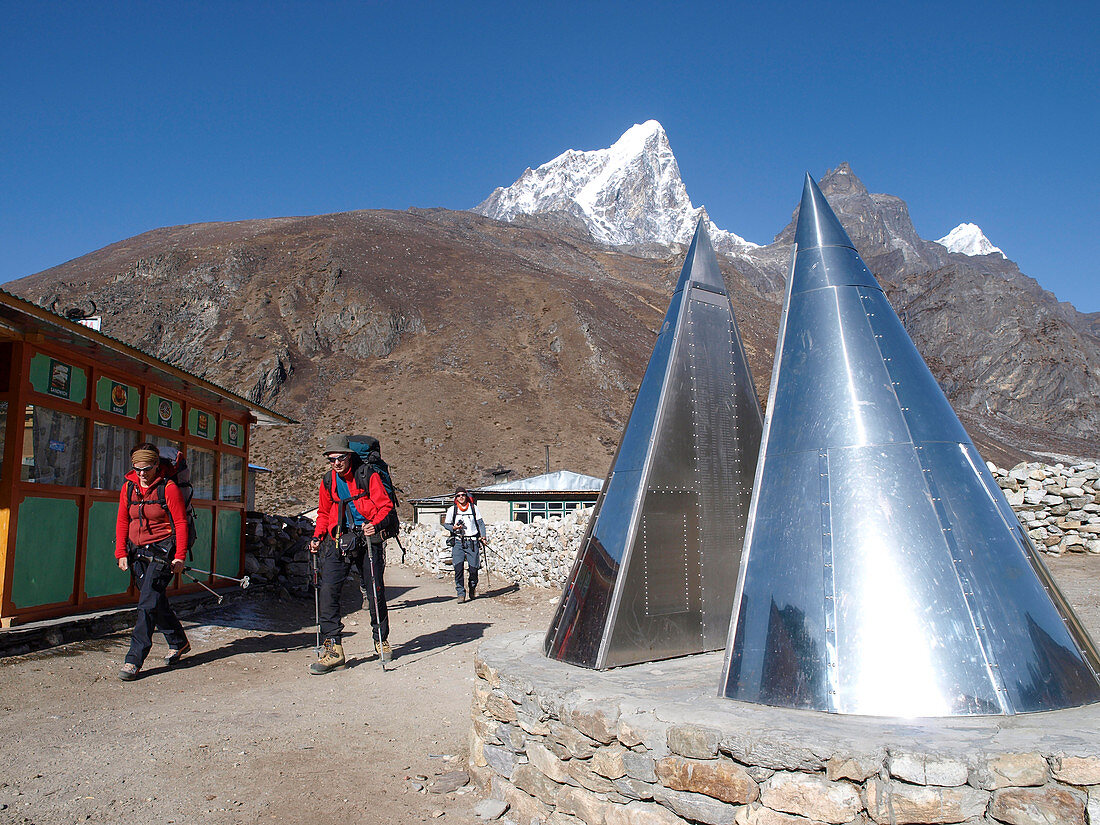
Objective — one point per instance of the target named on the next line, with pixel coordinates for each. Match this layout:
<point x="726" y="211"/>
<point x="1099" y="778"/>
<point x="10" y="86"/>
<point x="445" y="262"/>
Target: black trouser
<point x="334" y="572"/>
<point x="153" y="611"/>
<point x="466" y="551"/>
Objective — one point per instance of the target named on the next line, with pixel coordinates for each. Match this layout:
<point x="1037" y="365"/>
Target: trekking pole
<point x="316" y="598"/>
<point x="153" y="559"/>
<point x="488" y="578"/>
<point x="243" y="581"/>
<point x="213" y="593"/>
<point x="368" y="562"/>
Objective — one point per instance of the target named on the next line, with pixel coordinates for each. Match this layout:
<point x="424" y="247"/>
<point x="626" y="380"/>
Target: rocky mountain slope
<point x="999" y="343"/>
<point x="1037" y="359"/>
<point x="464" y="343"/>
<point x="468" y="344"/>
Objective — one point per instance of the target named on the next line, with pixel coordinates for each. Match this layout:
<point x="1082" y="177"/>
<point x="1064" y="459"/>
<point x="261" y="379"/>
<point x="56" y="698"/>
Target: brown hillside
<point x="463" y="343"/>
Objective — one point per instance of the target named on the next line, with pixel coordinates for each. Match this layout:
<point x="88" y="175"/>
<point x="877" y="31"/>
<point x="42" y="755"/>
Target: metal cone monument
<point x="883" y="571"/>
<point x="653" y="573"/>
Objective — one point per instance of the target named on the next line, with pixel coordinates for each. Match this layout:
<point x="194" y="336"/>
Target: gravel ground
<point x="241" y="733"/>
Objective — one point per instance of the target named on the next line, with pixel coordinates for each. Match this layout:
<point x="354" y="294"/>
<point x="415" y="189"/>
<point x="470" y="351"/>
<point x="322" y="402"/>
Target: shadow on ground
<point x="428" y="644"/>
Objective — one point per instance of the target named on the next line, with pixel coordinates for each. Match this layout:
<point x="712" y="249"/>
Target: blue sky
<point x="122" y="117"/>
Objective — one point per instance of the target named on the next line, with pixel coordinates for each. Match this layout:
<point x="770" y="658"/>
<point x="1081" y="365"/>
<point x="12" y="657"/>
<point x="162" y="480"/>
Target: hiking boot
<point x="384" y="651"/>
<point x="128" y="672"/>
<point x="461" y="598"/>
<point x="329" y="658"/>
<point x="473" y="595"/>
<point x="175" y="653"/>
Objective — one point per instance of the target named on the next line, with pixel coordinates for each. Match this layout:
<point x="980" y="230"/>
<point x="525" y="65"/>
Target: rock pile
<point x="277" y="551"/>
<point x="1058" y="505"/>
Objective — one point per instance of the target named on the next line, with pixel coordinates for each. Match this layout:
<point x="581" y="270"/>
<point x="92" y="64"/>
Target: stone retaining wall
<point x="1058" y="505"/>
<point x="651" y="745"/>
<point x="539" y="554"/>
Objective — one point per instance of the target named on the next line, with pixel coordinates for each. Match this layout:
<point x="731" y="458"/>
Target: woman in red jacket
<point x="151" y="542"/>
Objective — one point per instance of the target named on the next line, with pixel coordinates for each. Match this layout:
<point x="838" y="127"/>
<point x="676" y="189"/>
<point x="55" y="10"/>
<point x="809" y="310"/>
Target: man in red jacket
<point x="352" y="504"/>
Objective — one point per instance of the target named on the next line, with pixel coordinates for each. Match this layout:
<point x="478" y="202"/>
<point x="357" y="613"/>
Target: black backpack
<point x="369" y="461"/>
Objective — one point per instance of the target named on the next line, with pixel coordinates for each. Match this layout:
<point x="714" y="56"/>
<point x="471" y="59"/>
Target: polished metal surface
<point x="883" y="571"/>
<point x="654" y="572"/>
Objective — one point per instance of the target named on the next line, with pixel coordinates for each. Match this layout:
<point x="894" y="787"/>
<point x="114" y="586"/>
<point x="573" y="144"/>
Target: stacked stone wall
<point x="539" y="554"/>
<point x="277" y="551"/>
<point x="562" y="745"/>
<point x="1059" y="505"/>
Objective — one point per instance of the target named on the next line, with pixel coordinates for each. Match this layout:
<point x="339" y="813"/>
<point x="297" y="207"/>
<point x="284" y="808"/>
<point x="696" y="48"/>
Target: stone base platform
<point x="653" y="745"/>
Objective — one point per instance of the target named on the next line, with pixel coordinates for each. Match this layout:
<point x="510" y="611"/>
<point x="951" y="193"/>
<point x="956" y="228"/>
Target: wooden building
<point x="524" y="500"/>
<point x="73" y="401"/>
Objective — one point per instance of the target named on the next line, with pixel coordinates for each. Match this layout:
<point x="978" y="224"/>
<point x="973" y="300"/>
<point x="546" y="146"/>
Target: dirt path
<point x="243" y="734"/>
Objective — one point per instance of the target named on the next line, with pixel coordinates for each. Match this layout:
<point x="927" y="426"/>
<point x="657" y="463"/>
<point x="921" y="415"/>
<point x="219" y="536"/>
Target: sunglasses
<point x="332" y="459"/>
<point x="143" y="469"/>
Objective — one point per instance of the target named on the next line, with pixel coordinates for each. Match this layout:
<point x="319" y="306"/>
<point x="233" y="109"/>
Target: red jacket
<point x="154" y="523"/>
<point x="374" y="507"/>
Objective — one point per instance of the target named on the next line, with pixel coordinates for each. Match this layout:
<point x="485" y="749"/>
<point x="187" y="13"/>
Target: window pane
<point x="53" y="447"/>
<point x="520" y="517"/>
<point x="201" y="463"/>
<point x="554" y="505"/>
<point x="111" y="455"/>
<point x="164" y="441"/>
<point x="230" y="482"/>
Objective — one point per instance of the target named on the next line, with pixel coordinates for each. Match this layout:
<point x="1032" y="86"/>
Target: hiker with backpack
<point x="467" y="529"/>
<point x="355" y="513"/>
<point x="151" y="542"/>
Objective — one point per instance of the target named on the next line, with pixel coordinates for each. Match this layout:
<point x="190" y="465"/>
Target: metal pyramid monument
<point x="883" y="571"/>
<point x="653" y="574"/>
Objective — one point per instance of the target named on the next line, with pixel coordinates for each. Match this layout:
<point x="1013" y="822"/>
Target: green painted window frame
<point x="542" y="509"/>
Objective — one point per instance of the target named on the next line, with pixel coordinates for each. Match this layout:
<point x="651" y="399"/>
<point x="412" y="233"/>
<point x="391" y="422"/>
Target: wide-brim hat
<point x="337" y="444"/>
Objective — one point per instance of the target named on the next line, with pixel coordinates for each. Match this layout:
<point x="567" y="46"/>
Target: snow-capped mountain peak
<point x="629" y="193"/>
<point x="968" y="239"/>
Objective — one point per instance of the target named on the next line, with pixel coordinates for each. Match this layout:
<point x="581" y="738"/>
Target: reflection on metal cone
<point x="883" y="572"/>
<point x="653" y="573"/>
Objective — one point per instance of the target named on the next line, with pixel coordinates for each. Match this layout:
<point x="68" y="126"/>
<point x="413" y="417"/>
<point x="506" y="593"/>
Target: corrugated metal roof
<point x="560" y="481"/>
